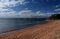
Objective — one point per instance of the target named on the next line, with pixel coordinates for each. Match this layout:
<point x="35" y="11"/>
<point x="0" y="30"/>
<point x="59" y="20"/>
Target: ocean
<point x="10" y="24"/>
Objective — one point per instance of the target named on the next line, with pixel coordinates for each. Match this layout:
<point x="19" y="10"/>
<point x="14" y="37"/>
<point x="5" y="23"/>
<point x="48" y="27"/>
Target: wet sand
<point x="51" y="30"/>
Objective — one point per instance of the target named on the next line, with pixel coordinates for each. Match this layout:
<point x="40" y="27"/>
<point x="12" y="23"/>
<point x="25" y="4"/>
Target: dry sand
<point x="51" y="30"/>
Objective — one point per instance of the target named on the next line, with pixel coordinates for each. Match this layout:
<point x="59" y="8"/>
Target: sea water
<point x="9" y="24"/>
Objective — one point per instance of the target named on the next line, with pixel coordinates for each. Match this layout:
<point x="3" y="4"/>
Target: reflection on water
<point x="16" y="23"/>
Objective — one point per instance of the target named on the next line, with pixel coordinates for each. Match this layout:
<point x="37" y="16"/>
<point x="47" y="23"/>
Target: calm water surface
<point x="8" y="24"/>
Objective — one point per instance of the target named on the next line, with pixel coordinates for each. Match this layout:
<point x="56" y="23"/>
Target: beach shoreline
<point x="43" y="31"/>
<point x="22" y="28"/>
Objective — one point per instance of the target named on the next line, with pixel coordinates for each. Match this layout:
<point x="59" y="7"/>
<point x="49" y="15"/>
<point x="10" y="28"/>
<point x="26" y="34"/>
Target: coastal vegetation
<point x="54" y="17"/>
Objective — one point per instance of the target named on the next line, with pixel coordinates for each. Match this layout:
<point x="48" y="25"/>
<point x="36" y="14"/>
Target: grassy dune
<point x="51" y="30"/>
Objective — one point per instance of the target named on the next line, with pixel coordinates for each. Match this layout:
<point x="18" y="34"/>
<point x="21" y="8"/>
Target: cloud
<point x="6" y="11"/>
<point x="29" y="14"/>
<point x="11" y="3"/>
<point x="22" y="14"/>
<point x="57" y="8"/>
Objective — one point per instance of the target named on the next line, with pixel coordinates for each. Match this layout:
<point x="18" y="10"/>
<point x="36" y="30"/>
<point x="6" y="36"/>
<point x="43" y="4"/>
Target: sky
<point x="28" y="8"/>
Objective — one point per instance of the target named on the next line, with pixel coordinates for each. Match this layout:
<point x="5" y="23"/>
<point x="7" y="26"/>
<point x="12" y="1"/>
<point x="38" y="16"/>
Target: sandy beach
<point x="50" y="30"/>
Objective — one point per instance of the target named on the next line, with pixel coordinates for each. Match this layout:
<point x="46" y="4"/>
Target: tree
<point x="55" y="17"/>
